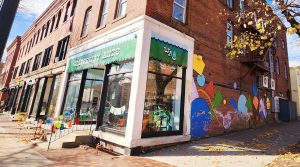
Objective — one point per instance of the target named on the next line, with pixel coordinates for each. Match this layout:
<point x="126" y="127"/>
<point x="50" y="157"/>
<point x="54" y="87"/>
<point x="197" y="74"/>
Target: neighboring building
<point x="134" y="68"/>
<point x="7" y="72"/>
<point x="295" y="82"/>
<point x="41" y="61"/>
<point x="8" y="9"/>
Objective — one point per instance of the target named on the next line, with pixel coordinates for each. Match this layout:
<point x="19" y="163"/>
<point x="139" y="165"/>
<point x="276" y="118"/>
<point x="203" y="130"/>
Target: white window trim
<point x="104" y="12"/>
<point x="120" y="3"/>
<point x="184" y="10"/>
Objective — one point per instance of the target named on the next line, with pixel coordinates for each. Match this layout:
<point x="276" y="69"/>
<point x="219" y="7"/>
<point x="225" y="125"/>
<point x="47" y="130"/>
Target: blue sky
<point x="31" y="9"/>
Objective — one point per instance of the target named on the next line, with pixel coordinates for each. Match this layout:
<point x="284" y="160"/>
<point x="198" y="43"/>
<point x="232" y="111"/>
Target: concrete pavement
<point x="249" y="148"/>
<point x="15" y="153"/>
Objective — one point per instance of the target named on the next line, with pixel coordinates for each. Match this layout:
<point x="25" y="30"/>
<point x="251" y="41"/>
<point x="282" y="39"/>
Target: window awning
<point x="168" y="53"/>
<point x="92" y="58"/>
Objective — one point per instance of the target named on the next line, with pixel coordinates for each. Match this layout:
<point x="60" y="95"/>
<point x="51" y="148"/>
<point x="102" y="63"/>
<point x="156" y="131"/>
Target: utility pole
<point x="8" y="10"/>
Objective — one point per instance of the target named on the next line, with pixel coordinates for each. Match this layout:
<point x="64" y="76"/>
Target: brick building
<point x="146" y="72"/>
<point x="7" y="71"/>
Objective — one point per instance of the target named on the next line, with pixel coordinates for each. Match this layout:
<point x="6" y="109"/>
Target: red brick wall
<point x="208" y="29"/>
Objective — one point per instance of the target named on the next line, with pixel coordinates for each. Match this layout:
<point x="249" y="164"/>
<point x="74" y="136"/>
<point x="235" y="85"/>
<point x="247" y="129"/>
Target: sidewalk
<point x="248" y="148"/>
<point x="16" y="150"/>
<point x="13" y="152"/>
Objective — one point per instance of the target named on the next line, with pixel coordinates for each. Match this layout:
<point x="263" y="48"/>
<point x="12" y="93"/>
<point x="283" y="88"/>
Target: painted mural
<point x="209" y="103"/>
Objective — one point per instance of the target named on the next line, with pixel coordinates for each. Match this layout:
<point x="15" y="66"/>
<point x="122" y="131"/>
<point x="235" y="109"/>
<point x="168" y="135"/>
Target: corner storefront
<point x="134" y="82"/>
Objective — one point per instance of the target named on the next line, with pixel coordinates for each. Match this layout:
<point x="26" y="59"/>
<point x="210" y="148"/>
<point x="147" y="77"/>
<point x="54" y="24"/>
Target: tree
<point x="257" y="24"/>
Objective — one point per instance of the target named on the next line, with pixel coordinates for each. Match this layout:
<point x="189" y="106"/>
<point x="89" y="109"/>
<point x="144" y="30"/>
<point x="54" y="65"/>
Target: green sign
<point x="116" y="53"/>
<point x="168" y="53"/>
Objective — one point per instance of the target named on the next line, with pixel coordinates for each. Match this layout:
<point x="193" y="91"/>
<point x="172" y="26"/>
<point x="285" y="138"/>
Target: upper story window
<point x="73" y="7"/>
<point x="53" y="22"/>
<point x="229" y="3"/>
<point x="86" y="22"/>
<point x="42" y="34"/>
<point x="122" y="5"/>
<point x="47" y="28"/>
<point x="36" y="63"/>
<point x="58" y="19"/>
<point x="37" y="38"/>
<point x="179" y="10"/>
<point x="285" y="72"/>
<point x="33" y="40"/>
<point x="241" y="5"/>
<point x="15" y="73"/>
<point x="103" y="13"/>
<point x="67" y="11"/>
<point x="283" y="44"/>
<point x="298" y="79"/>
<point x="277" y="66"/>
<point x="47" y="56"/>
<point x="22" y="69"/>
<point x="255" y="16"/>
<point x="229" y="32"/>
<point x="28" y="66"/>
<point x="62" y="49"/>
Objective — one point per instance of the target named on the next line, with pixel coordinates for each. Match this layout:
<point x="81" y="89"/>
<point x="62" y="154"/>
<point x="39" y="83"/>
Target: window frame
<point x="62" y="49"/>
<point x="58" y="18"/>
<point x="119" y="9"/>
<point x="102" y="13"/>
<point x="67" y="11"/>
<point x="229" y="4"/>
<point x="229" y="30"/>
<point x="28" y="64"/>
<point x="47" y="56"/>
<point x="86" y="22"/>
<point x="184" y="10"/>
<point x="182" y="103"/>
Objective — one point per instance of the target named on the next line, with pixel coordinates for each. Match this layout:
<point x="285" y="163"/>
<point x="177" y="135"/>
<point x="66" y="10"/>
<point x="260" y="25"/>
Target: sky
<point x="31" y="9"/>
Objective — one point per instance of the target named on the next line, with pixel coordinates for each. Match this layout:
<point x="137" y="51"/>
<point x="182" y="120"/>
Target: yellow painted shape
<point x="198" y="64"/>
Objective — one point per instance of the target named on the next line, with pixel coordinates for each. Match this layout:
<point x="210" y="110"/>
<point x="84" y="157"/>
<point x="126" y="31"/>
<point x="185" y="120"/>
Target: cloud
<point x="294" y="50"/>
<point x="33" y="8"/>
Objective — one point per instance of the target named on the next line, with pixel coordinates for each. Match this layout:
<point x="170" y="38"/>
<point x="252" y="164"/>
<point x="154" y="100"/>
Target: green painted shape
<point x="249" y="104"/>
<point x="168" y="53"/>
<point x="217" y="101"/>
<point x="115" y="53"/>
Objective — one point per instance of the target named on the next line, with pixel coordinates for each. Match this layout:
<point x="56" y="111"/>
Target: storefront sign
<point x="168" y="53"/>
<point x="115" y="53"/>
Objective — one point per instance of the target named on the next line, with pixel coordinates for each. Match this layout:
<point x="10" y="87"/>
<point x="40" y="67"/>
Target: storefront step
<point x="79" y="140"/>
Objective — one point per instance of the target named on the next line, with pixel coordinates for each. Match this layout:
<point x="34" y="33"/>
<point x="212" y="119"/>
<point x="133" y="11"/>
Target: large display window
<point x="83" y="94"/>
<point x="117" y="96"/>
<point x="38" y="96"/>
<point x="163" y="108"/>
<point x="54" y="95"/>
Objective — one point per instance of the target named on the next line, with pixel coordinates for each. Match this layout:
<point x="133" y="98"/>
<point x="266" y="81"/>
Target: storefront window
<point x="162" y="111"/>
<point x="54" y="95"/>
<point x="117" y="96"/>
<point x="73" y="91"/>
<point x="91" y="94"/>
<point x="46" y="96"/>
<point x="31" y="98"/>
<point x="37" y="98"/>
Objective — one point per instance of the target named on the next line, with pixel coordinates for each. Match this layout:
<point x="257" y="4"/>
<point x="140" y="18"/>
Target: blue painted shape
<point x="242" y="108"/>
<point x="254" y="90"/>
<point x="201" y="80"/>
<point x="48" y="121"/>
<point x="233" y="103"/>
<point x="200" y="118"/>
<point x="62" y="127"/>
